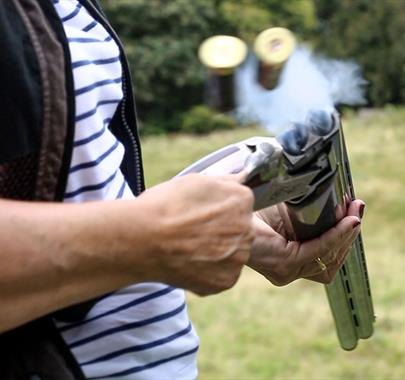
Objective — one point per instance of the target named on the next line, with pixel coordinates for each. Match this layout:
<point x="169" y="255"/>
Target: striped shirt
<point x="142" y="331"/>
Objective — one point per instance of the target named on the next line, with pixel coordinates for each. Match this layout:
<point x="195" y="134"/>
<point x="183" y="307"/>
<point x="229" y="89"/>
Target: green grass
<point x="258" y="331"/>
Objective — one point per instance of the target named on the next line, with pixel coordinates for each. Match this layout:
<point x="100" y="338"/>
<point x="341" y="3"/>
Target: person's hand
<point x="193" y="232"/>
<point x="202" y="230"/>
<point x="282" y="261"/>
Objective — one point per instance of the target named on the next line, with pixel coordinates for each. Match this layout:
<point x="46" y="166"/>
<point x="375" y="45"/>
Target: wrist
<point x="117" y="238"/>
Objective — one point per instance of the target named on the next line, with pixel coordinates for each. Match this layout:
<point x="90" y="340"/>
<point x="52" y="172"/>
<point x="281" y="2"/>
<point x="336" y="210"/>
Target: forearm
<point x="56" y="255"/>
<point x="180" y="232"/>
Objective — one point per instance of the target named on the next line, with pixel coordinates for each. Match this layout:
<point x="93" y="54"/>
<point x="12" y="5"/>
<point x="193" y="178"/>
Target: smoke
<point x="307" y="82"/>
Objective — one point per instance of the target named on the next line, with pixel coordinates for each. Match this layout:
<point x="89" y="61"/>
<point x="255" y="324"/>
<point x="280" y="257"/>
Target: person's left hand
<point x="282" y="261"/>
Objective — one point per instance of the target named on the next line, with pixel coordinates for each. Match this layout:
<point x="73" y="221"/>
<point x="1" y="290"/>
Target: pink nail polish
<point x="361" y="210"/>
<point x="356" y="224"/>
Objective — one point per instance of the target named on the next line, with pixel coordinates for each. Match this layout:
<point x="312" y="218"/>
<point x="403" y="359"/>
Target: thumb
<point x="235" y="177"/>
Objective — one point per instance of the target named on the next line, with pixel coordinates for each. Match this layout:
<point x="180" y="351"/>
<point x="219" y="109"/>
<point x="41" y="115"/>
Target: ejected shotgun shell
<point x="221" y="55"/>
<point x="273" y="47"/>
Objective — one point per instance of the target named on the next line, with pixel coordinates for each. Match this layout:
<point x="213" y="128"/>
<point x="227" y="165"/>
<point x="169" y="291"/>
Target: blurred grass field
<point x="258" y="331"/>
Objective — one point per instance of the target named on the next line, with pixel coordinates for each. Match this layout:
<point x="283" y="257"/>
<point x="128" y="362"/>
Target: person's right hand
<point x="201" y="230"/>
<point x="193" y="232"/>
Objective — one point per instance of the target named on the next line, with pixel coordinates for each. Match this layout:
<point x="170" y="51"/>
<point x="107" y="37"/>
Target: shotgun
<point x="305" y="172"/>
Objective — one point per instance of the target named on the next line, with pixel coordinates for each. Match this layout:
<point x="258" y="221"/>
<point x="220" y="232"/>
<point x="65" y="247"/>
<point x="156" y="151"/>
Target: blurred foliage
<point x="373" y="34"/>
<point x="202" y="119"/>
<point x="162" y="39"/>
<point x="248" y="18"/>
<point x="297" y="15"/>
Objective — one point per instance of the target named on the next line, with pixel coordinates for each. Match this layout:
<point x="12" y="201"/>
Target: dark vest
<point x="36" y="137"/>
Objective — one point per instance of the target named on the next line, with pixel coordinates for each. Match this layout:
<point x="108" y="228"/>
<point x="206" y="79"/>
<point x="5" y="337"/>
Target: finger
<point x="334" y="255"/>
<point x="326" y="276"/>
<point x="313" y="269"/>
<point x="235" y="177"/>
<point x="356" y="208"/>
<point x="326" y="244"/>
<point x="338" y="234"/>
<point x="323" y="277"/>
<point x="342" y="256"/>
<point x="335" y="243"/>
<point x="345" y="250"/>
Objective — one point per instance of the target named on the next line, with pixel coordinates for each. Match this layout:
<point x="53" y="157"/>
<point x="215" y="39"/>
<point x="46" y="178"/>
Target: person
<point x="92" y="267"/>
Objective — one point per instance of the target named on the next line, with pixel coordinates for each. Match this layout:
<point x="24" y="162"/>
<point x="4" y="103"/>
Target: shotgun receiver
<point x="305" y="172"/>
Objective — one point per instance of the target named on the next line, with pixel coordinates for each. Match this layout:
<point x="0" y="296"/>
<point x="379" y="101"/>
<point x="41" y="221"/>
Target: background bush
<point x="161" y="40"/>
<point x="202" y="119"/>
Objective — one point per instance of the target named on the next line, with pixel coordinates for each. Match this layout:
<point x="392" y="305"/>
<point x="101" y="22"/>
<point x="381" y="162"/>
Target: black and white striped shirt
<point x="142" y="331"/>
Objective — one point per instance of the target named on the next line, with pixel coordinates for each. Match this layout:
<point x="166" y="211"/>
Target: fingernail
<point x="361" y="210"/>
<point x="356" y="224"/>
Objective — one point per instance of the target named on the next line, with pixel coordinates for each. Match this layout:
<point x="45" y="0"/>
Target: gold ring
<point x="321" y="264"/>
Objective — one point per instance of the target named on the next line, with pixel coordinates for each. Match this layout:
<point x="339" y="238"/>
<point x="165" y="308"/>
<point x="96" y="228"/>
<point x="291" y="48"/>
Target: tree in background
<point x="297" y="15"/>
<point x="162" y="39"/>
<point x="373" y="34"/>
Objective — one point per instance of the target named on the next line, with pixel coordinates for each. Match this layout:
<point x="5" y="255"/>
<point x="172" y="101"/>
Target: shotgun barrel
<point x="349" y="294"/>
<point x="306" y="173"/>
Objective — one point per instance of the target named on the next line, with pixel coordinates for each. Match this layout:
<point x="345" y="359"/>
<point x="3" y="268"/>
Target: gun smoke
<point x="307" y="82"/>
